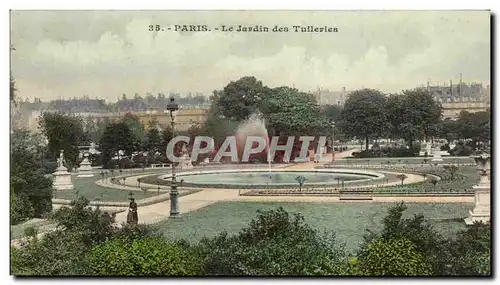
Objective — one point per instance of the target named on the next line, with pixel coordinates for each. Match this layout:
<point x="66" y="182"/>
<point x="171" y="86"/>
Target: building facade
<point x="455" y="98"/>
<point x="185" y="117"/>
<point x="325" y="96"/>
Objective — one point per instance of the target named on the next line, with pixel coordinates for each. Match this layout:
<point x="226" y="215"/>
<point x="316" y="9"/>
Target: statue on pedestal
<point x="60" y="160"/>
<point x="61" y="178"/>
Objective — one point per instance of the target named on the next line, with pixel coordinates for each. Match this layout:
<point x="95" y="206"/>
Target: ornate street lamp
<point x="333" y="141"/>
<point x="174" y="194"/>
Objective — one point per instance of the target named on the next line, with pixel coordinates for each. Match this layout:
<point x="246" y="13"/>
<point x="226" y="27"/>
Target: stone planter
<point x="482" y="191"/>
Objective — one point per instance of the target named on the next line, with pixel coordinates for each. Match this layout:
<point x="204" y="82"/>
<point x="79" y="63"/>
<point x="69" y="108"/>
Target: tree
<point x="300" y="179"/>
<point x="94" y="128"/>
<point x="291" y="112"/>
<point x="413" y="114"/>
<point x="116" y="137"/>
<point x="12" y="83"/>
<point x="363" y="115"/>
<point x="448" y="129"/>
<point x="474" y="126"/>
<point x="13" y="89"/>
<point x="218" y="128"/>
<point x="332" y="112"/>
<point x="64" y="132"/>
<point x="433" y="180"/>
<point x="402" y="177"/>
<point x="153" y="141"/>
<point x="421" y="111"/>
<point x="149" y="256"/>
<point x="274" y="243"/>
<point x="32" y="191"/>
<point x="241" y="98"/>
<point x="393" y="257"/>
<point x="166" y="136"/>
<point x="135" y="127"/>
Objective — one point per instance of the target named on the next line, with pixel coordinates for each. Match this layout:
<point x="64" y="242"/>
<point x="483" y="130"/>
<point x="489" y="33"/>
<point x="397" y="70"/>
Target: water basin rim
<point x="373" y="176"/>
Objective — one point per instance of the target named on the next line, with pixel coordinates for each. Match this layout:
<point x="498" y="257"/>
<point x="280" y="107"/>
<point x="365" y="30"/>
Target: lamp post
<point x="174" y="194"/>
<point x="333" y="141"/>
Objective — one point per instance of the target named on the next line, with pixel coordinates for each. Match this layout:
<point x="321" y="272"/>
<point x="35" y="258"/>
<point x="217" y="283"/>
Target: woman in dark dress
<point x="132" y="217"/>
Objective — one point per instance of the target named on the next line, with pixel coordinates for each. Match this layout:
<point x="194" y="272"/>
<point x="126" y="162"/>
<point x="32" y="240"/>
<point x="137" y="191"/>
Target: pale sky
<point x="107" y="53"/>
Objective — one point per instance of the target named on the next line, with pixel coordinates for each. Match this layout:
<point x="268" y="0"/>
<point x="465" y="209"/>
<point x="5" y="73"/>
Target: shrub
<point x="471" y="251"/>
<point x="462" y="149"/>
<point x="274" y="243"/>
<point x="149" y="256"/>
<point x="387" y="152"/>
<point x="95" y="159"/>
<point x="392" y="257"/>
<point x="126" y="163"/>
<point x="426" y="240"/>
<point x="20" y="208"/>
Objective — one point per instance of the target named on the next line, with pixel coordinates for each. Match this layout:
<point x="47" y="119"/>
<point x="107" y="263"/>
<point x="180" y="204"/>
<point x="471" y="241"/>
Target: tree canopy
<point x="31" y="191"/>
<point x="363" y="115"/>
<point x="241" y="98"/>
<point x="64" y="132"/>
<point x="116" y="137"/>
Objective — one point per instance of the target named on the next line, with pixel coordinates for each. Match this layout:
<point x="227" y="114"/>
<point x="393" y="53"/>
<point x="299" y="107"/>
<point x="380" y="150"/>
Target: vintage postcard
<point x="250" y="143"/>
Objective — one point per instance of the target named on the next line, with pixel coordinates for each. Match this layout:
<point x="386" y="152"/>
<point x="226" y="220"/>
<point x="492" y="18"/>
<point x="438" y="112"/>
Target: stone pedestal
<point x="85" y="169"/>
<point x="482" y="193"/>
<point x="62" y="179"/>
<point x="482" y="209"/>
<point x="436" y="155"/>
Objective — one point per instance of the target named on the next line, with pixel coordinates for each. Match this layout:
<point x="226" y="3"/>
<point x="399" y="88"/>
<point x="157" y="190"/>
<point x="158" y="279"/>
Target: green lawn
<point x="86" y="187"/>
<point x="347" y="220"/>
<point x="464" y="179"/>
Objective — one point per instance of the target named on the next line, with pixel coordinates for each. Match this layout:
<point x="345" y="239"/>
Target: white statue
<point x="60" y="160"/>
<point x="62" y="178"/>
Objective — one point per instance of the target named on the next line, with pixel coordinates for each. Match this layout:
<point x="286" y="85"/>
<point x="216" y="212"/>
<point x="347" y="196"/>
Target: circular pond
<point x="274" y="177"/>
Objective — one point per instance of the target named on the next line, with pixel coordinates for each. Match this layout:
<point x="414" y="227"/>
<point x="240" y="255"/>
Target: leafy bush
<point x="149" y="256"/>
<point x="140" y="160"/>
<point x="20" y="208"/>
<point x="461" y="149"/>
<point x="445" y="147"/>
<point x="392" y="257"/>
<point x="95" y="159"/>
<point x="48" y="167"/>
<point x="426" y="240"/>
<point x="63" y="251"/>
<point x="126" y="163"/>
<point x="387" y="152"/>
<point x="471" y="251"/>
<point x="274" y="244"/>
<point x="91" y="225"/>
<point x="57" y="253"/>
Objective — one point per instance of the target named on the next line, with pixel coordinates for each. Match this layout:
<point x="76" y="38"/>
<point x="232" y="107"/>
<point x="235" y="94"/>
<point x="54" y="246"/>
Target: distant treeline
<point x="125" y="103"/>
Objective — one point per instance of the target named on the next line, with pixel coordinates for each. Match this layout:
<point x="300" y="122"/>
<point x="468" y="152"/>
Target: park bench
<point x="356" y="194"/>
